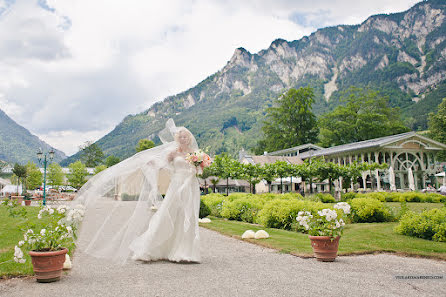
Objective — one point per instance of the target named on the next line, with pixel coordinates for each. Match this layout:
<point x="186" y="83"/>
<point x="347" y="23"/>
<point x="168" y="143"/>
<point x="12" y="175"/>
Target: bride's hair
<point x="183" y="130"/>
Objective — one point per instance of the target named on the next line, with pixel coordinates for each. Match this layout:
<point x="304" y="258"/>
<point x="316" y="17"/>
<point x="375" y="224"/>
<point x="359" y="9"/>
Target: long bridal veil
<point x="121" y="200"/>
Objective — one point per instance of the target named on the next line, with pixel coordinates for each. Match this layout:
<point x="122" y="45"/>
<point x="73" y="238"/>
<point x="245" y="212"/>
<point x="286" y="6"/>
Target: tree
<point x="77" y="174"/>
<point x="366" y="115"/>
<point x="252" y="174"/>
<point x="437" y="127"/>
<point x="99" y="168"/>
<point x="91" y="154"/>
<point x="20" y="172"/>
<point x="55" y="175"/>
<point x="330" y="171"/>
<point x="269" y="174"/>
<point x="289" y="122"/>
<point x="111" y="160"/>
<point x="144" y="144"/>
<point x="283" y="169"/>
<point x="225" y="167"/>
<point x="34" y="178"/>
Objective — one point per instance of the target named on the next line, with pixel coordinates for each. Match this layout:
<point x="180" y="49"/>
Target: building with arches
<point x="411" y="156"/>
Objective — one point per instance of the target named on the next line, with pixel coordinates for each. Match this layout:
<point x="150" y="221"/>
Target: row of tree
<point x="225" y="167"/>
<point x="31" y="177"/>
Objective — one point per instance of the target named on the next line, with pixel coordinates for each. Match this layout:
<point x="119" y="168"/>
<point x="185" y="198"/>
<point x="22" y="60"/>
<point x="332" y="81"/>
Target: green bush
<point x="406" y="196"/>
<point x="214" y="202"/>
<point x="369" y="210"/>
<point x="430" y="224"/>
<point x="325" y="198"/>
<point x="243" y="209"/>
<point x="282" y="213"/>
<point x="348" y="196"/>
<point x="204" y="210"/>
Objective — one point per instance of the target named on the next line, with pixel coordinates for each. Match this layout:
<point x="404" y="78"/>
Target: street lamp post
<point x="45" y="158"/>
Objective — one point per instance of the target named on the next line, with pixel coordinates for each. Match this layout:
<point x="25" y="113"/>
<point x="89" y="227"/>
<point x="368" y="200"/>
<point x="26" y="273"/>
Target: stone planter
<point x="325" y="248"/>
<point x="48" y="265"/>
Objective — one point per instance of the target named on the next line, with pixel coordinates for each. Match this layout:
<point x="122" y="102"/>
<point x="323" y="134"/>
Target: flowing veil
<point x="121" y="200"/>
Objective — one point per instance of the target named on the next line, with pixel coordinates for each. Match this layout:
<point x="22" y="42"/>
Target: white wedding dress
<point x="173" y="232"/>
<point x="120" y="200"/>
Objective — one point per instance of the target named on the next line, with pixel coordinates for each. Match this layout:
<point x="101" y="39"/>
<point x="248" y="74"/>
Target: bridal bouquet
<point x="199" y="158"/>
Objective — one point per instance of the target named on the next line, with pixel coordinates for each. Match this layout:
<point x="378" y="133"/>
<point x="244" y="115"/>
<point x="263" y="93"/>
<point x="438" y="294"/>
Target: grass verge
<point x="364" y="238"/>
<point x="10" y="235"/>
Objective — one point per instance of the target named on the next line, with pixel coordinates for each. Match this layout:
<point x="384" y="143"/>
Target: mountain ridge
<point x="18" y="145"/>
<point x="403" y="55"/>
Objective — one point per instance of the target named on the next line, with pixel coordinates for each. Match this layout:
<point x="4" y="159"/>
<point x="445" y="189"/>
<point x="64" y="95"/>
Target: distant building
<point x="401" y="152"/>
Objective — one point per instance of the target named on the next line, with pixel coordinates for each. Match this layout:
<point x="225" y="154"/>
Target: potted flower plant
<point x="325" y="229"/>
<point x="49" y="245"/>
<point x="27" y="199"/>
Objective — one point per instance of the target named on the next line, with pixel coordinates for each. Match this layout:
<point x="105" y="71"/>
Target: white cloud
<point x="71" y="70"/>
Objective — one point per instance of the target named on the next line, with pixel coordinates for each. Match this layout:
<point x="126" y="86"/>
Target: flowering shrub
<point x="59" y="232"/>
<point x="325" y="222"/>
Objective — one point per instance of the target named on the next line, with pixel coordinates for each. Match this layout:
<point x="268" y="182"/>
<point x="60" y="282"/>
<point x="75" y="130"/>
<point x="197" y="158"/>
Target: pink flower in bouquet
<point x="195" y="158"/>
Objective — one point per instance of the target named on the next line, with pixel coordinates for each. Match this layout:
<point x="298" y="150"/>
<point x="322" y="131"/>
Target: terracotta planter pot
<point x="325" y="248"/>
<point x="27" y="202"/>
<point x="48" y="265"/>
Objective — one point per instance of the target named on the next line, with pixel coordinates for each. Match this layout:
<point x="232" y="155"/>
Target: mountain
<point x="403" y="55"/>
<point x="18" y="145"/>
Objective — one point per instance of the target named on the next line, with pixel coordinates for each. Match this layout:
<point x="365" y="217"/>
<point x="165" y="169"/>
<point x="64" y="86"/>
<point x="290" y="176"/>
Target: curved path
<point x="232" y="267"/>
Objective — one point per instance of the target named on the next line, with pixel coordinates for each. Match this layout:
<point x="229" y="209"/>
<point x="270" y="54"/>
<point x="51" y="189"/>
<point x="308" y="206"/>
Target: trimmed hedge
<point x="430" y="224"/>
<point x="280" y="213"/>
<point x="204" y="210"/>
<point x="398" y="197"/>
<point x="369" y="210"/>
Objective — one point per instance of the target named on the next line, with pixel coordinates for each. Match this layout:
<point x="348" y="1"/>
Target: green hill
<point x="18" y="145"/>
<point x="403" y="55"/>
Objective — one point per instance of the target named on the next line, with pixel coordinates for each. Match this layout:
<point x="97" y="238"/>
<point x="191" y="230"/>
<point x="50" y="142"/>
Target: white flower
<point x="21" y="242"/>
<point x="22" y="261"/>
<point x="248" y="234"/>
<point x="18" y="252"/>
<point x="39" y="216"/>
<point x="69" y="229"/>
<point x="30" y="231"/>
<point x="344" y="206"/>
<point x="16" y="259"/>
<point x="42" y="232"/>
<point x="341" y="221"/>
<point x="338" y="225"/>
<point x="51" y="211"/>
<point x="300" y="213"/>
<point x="25" y="237"/>
<point x="261" y="234"/>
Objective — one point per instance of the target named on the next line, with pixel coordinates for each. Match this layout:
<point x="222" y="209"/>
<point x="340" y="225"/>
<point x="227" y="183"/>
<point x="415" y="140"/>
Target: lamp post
<point x="45" y="158"/>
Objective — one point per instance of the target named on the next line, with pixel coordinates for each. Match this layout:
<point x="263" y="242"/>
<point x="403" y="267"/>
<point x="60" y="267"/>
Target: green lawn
<point x="10" y="235"/>
<point x="357" y="239"/>
<point x="413" y="206"/>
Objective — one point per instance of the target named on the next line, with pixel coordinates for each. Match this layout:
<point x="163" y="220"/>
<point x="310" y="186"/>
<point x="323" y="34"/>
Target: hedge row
<point x="430" y="224"/>
<point x="280" y="210"/>
<point x="398" y="197"/>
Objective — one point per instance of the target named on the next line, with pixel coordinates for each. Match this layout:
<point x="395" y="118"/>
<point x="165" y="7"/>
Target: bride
<point x="140" y="224"/>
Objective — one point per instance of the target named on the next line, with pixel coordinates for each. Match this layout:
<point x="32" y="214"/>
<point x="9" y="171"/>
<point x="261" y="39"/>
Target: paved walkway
<point x="232" y="267"/>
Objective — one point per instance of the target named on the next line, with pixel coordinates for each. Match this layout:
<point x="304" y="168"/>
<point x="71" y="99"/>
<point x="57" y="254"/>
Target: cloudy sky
<point x="71" y="70"/>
